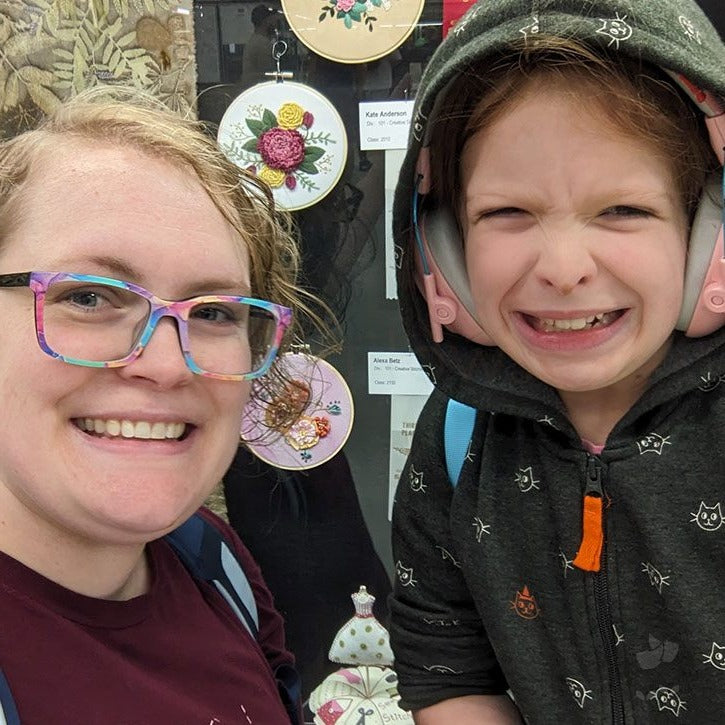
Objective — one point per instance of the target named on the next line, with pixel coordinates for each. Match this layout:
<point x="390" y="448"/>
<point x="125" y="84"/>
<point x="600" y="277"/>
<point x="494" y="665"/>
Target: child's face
<point x="575" y="243"/>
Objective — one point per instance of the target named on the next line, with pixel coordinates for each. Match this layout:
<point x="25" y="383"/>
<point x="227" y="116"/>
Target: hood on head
<point x="674" y="35"/>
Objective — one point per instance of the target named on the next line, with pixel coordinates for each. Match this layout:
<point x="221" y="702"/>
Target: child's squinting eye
<point x="503" y="211"/>
<point x="625" y="211"/>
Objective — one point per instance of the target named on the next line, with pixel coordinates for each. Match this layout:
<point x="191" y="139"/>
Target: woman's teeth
<point x="576" y="323"/>
<point x="130" y="429"/>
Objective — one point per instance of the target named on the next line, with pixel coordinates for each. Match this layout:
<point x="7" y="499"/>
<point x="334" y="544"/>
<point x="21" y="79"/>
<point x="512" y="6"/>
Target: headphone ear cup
<point x="446" y="286"/>
<point x="703" y="301"/>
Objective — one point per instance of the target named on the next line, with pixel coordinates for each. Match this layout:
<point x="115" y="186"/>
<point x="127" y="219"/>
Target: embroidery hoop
<point x="330" y="398"/>
<point x="326" y="133"/>
<point x="328" y="36"/>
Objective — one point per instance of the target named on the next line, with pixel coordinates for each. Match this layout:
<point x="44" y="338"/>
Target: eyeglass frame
<point x="39" y="282"/>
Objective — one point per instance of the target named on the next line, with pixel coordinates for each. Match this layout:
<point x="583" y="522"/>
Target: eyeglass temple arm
<point x="16" y="279"/>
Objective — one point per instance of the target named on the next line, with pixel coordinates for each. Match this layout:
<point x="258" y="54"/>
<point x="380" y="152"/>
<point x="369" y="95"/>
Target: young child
<point x="559" y="218"/>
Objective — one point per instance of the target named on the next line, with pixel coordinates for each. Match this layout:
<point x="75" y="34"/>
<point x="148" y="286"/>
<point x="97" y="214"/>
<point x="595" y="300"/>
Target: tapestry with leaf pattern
<point x="52" y="49"/>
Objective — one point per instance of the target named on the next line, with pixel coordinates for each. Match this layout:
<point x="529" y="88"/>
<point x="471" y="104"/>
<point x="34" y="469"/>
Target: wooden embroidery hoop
<point x="329" y="399"/>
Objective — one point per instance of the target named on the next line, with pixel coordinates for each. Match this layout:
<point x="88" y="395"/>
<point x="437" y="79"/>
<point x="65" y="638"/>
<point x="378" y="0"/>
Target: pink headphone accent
<point x="709" y="314"/>
<point x="445" y="306"/>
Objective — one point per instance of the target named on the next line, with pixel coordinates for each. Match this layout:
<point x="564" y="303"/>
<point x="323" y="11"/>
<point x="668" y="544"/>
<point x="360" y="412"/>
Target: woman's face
<point x="114" y="212"/>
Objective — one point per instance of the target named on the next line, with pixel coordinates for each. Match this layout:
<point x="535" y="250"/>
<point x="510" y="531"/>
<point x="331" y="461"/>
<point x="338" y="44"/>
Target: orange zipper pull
<point x="589" y="555"/>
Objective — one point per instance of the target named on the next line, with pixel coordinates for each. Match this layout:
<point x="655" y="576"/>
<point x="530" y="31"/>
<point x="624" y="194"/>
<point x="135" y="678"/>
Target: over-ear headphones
<point x="441" y="267"/>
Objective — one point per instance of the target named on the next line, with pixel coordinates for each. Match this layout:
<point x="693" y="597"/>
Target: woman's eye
<point x="84" y="299"/>
<point x="215" y="314"/>
<point x="87" y="299"/>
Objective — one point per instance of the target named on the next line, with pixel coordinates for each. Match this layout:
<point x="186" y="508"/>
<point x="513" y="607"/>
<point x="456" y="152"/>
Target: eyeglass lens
<point x="101" y="323"/>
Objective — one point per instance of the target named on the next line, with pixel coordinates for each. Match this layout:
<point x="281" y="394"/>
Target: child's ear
<point x="703" y="300"/>
<point x="445" y="286"/>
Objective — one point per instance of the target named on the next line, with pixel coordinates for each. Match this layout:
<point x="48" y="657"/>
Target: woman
<point x="121" y="411"/>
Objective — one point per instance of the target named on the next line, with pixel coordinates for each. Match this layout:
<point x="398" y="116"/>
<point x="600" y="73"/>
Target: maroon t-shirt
<point x="174" y="656"/>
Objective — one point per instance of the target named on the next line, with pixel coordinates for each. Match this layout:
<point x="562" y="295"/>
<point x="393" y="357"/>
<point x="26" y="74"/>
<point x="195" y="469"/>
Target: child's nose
<point x="565" y="262"/>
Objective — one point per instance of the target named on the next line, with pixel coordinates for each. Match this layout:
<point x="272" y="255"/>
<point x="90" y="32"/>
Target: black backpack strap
<point x="8" y="710"/>
<point x="205" y="553"/>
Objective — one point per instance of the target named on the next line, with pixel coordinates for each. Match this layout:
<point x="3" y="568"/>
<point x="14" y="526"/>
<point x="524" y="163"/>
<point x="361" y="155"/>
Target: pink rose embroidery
<point x="282" y="148"/>
<point x="290" y="182"/>
<point x="308" y="119"/>
<point x="345" y="5"/>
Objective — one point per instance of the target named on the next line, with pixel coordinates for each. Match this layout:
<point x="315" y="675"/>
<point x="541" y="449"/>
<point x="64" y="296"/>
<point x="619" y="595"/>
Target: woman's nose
<point x="162" y="360"/>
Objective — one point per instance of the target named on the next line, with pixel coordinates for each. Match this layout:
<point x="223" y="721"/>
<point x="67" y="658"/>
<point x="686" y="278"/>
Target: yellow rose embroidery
<point x="290" y="116"/>
<point x="273" y="177"/>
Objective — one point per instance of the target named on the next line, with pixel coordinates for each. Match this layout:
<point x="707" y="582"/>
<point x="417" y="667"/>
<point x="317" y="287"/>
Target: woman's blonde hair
<point x="129" y="118"/>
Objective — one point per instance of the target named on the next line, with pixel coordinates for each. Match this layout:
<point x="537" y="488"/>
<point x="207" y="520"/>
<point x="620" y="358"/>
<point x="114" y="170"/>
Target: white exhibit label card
<point x="396" y="373"/>
<point x="404" y="412"/>
<point x="384" y="124"/>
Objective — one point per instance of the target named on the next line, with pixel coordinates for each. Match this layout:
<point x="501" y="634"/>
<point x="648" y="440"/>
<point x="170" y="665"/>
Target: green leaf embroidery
<point x="269" y="120"/>
<point x="313" y="153"/>
<point x="307" y="167"/>
<point x="255" y="126"/>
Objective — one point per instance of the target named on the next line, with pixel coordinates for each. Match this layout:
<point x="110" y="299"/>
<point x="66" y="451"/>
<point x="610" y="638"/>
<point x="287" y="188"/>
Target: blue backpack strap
<point x="205" y="553"/>
<point x="8" y="710"/>
<point x="457" y="431"/>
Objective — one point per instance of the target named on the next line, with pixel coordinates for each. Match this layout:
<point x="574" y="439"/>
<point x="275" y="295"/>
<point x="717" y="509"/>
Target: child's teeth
<point x="575" y="323"/>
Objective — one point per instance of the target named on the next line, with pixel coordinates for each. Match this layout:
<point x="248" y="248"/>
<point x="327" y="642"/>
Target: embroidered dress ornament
<point x="366" y="693"/>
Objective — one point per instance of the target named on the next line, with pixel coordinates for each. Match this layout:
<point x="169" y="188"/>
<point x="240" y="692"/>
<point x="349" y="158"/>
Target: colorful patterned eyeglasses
<point x="101" y="322"/>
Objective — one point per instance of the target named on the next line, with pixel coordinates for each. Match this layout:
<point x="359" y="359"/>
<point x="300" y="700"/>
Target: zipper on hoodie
<point x="596" y="545"/>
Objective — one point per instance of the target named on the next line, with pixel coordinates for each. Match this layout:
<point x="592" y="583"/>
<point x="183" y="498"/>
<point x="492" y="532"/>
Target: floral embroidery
<point x="280" y="148"/>
<point x="353" y="11"/>
<point x="302" y="433"/>
<point x="322" y="425"/>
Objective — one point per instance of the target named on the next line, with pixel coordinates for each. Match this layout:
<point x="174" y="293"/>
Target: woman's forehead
<point x="91" y="201"/>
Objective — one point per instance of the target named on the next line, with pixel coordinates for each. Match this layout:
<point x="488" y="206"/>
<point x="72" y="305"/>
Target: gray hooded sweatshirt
<point x="487" y="598"/>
